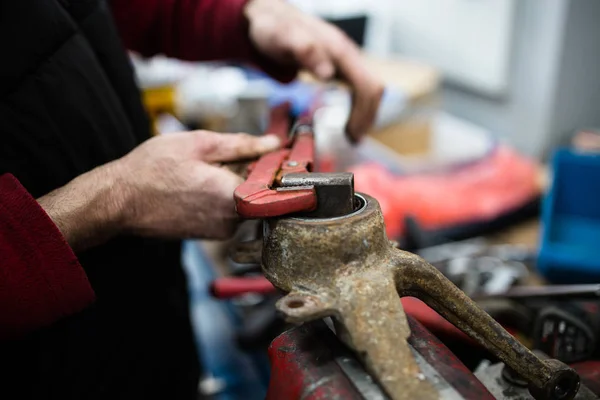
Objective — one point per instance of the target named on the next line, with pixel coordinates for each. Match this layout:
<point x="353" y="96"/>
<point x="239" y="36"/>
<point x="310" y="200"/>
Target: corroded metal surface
<point x="548" y="379"/>
<point x="347" y="268"/>
<point x="337" y="267"/>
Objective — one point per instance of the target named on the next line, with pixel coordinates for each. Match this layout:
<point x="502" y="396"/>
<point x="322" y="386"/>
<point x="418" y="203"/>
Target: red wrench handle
<point x="258" y="196"/>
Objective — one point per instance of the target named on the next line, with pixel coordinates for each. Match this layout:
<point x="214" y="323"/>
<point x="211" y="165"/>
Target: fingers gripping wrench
<point x="283" y="183"/>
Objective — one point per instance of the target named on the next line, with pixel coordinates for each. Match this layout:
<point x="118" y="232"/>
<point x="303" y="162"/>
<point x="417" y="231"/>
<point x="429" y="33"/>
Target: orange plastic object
<point x="482" y="191"/>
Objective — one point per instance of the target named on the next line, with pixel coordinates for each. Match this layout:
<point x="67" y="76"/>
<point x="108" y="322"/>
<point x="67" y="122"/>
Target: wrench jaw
<point x="346" y="267"/>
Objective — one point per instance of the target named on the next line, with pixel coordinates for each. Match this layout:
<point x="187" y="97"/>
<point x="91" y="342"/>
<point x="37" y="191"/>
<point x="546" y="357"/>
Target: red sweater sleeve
<point x="41" y="280"/>
<point x="193" y="30"/>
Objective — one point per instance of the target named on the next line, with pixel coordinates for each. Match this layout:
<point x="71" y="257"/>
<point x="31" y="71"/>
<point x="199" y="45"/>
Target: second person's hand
<point x="285" y="34"/>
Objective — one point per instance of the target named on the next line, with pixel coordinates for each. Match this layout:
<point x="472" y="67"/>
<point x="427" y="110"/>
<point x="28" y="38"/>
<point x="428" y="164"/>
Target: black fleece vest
<point x="68" y="103"/>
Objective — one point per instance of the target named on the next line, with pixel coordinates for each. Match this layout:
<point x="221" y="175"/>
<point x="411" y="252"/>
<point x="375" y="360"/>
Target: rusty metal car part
<point x="347" y="268"/>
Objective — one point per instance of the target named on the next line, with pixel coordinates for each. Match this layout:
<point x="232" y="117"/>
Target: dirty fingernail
<point x="269" y="142"/>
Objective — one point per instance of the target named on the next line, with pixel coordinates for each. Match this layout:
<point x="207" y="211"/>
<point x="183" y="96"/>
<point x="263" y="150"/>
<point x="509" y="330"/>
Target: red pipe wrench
<point x="262" y="195"/>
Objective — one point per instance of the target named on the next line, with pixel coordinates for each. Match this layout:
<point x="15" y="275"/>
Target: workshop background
<point x="483" y="158"/>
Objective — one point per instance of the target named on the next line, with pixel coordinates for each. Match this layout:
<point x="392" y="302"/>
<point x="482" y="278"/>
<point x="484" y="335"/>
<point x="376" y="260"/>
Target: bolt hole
<point x="559" y="391"/>
<point x="563" y="388"/>
<point x="295" y="304"/>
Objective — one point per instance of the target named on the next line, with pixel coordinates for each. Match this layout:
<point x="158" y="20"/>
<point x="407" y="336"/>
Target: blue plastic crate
<point x="570" y="248"/>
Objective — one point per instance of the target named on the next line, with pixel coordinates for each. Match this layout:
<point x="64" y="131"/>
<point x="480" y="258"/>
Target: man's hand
<point x="170" y="186"/>
<point x="287" y="35"/>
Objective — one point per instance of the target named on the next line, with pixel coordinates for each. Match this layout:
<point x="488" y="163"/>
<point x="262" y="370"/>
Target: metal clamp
<point x="261" y="195"/>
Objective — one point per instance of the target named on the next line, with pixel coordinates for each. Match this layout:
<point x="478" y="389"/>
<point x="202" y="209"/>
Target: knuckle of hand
<point x="243" y="137"/>
<point x="338" y="39"/>
<point x="198" y="135"/>
<point x="377" y="92"/>
<point x="306" y="49"/>
<point x="338" y="50"/>
<point x="270" y="32"/>
<point x="209" y="146"/>
<point x="199" y="132"/>
<point x="245" y="144"/>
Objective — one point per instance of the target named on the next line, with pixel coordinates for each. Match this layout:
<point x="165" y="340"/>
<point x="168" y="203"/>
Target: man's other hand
<point x="285" y="34"/>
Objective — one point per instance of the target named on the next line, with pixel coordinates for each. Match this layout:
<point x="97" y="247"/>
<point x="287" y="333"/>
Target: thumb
<point x="239" y="146"/>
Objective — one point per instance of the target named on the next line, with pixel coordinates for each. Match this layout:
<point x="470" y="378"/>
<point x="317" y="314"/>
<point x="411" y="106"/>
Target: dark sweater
<point x="68" y="103"/>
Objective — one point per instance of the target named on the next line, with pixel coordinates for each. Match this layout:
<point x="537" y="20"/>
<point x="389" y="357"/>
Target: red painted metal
<point x="301" y="156"/>
<point x="227" y="288"/>
<point x="303" y="365"/>
<point x="243" y="285"/>
<point x="258" y="196"/>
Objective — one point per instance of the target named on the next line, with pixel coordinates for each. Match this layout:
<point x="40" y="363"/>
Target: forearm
<point x="89" y="209"/>
<point x="168" y="187"/>
<point x="194" y="30"/>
